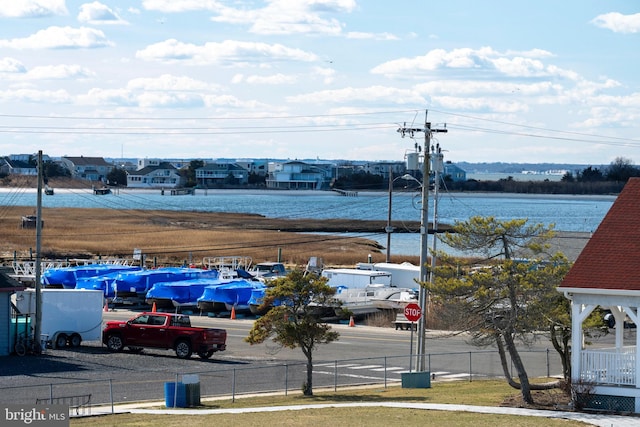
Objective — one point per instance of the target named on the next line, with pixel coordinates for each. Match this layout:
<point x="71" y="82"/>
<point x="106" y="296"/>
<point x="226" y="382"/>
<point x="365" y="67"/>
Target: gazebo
<point x="606" y="274"/>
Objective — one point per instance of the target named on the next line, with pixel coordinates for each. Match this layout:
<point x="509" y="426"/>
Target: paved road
<point x="362" y="355"/>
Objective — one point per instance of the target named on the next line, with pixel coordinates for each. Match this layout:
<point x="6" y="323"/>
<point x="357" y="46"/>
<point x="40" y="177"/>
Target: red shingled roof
<point x="611" y="258"/>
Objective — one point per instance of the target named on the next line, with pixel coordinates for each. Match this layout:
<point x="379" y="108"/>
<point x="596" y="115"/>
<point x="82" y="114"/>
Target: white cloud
<point x="277" y="17"/>
<point x="32" y="8"/>
<point x="618" y="23"/>
<point x="165" y="91"/>
<point x="97" y="13"/>
<point x="58" y="72"/>
<point x="98" y="96"/>
<point x="466" y="60"/>
<point x="169" y="100"/>
<point x="169" y="82"/>
<point x="174" y="6"/>
<point x="11" y="65"/>
<point x="351" y="94"/>
<point x="60" y="38"/>
<point x="36" y="96"/>
<point x="274" y="79"/>
<point x="371" y="36"/>
<point x="495" y="105"/>
<point x="483" y="87"/>
<point x="172" y="51"/>
<point x="327" y="74"/>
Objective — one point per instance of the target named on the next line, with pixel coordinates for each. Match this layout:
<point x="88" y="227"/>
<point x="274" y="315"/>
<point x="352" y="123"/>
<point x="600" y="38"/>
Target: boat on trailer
<point x="232" y="295"/>
<point x="132" y="287"/>
<point x="67" y="277"/>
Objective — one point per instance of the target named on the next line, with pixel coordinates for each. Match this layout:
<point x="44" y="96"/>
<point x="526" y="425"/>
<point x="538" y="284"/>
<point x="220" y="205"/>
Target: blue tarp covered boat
<point x="184" y="293"/>
<point x="235" y="294"/>
<point x="137" y="283"/>
<point x="102" y="283"/>
<point x="66" y="277"/>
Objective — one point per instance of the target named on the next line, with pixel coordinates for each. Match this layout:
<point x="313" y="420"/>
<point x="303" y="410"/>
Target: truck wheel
<point x="205" y="354"/>
<point x="61" y="341"/>
<point x="114" y="342"/>
<point x="183" y="349"/>
<point x="75" y="340"/>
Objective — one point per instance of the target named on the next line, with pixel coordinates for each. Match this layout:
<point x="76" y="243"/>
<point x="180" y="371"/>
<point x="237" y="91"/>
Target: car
<point x="164" y="331"/>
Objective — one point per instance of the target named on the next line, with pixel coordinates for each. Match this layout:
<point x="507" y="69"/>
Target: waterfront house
<point x="383" y="168"/>
<point x="606" y="275"/>
<point x="18" y="164"/>
<point x="218" y="173"/>
<point x="454" y="172"/>
<point x="88" y="168"/>
<point x="297" y="175"/>
<point x="155" y="175"/>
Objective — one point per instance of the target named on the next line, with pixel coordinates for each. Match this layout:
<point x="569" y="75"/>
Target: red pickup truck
<point x="166" y="331"/>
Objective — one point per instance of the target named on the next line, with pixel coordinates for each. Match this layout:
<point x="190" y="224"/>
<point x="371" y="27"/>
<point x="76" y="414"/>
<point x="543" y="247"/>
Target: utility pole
<point x="424" y="234"/>
<point x="38" y="285"/>
<point x="389" y="229"/>
<point x="437" y="161"/>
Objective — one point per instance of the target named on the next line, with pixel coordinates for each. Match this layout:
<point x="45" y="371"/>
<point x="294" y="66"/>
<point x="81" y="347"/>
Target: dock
<point x="345" y="192"/>
<point x="179" y="191"/>
<point x="101" y="191"/>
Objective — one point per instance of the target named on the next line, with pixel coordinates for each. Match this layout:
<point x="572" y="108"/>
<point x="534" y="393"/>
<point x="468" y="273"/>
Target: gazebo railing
<point x="609" y="366"/>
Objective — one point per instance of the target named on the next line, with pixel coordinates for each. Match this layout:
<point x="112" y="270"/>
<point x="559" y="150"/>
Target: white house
<point x="606" y="275"/>
<point x="155" y="175"/>
<point x="297" y="175"/>
<point x="220" y="173"/>
<point x="89" y="168"/>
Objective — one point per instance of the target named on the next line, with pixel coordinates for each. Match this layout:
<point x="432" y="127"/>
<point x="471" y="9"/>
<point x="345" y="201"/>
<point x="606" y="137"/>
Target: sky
<point x="542" y="81"/>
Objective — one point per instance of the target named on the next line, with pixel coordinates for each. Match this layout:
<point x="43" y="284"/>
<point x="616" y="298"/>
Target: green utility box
<point x="416" y="379"/>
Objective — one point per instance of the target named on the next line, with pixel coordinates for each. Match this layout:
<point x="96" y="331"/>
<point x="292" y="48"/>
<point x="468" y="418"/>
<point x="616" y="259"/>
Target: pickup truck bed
<point x="165" y="331"/>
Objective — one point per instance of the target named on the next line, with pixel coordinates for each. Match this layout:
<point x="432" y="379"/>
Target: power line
<point x="552" y="134"/>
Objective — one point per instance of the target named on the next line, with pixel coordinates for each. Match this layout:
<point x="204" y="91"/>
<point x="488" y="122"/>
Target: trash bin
<point x="173" y="398"/>
<point x="192" y="392"/>
<point x="192" y="389"/>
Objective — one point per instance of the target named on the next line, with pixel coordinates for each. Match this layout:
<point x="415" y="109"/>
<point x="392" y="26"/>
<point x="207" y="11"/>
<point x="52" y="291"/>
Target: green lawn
<point x="483" y="393"/>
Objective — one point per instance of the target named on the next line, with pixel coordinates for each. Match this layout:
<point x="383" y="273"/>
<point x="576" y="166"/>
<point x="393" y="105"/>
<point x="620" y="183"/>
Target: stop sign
<point x="412" y="312"/>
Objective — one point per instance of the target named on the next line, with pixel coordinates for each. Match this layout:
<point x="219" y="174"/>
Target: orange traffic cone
<point x="153" y="307"/>
<point x="352" y="322"/>
<point x="233" y="312"/>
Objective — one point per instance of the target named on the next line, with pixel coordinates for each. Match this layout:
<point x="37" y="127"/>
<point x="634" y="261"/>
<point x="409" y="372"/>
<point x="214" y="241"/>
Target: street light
<point x="389" y="229"/>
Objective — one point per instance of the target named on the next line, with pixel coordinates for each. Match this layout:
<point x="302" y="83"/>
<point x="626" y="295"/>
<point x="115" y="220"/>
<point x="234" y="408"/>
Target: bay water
<point x="566" y="212"/>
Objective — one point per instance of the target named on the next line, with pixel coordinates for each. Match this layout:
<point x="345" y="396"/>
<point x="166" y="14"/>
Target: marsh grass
<point x="176" y="237"/>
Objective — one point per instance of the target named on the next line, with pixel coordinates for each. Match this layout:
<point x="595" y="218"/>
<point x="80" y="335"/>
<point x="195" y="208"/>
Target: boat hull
<point x="232" y="295"/>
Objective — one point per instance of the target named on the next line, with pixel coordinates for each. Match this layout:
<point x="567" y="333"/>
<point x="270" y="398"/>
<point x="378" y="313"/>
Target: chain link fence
<point x="280" y="378"/>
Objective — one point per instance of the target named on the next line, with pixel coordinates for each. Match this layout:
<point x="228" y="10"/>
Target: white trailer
<point x="354" y="278"/>
<point x="69" y="316"/>
<point x="405" y="275"/>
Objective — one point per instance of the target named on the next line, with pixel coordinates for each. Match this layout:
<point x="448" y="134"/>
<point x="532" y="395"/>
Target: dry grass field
<point x="172" y="238"/>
